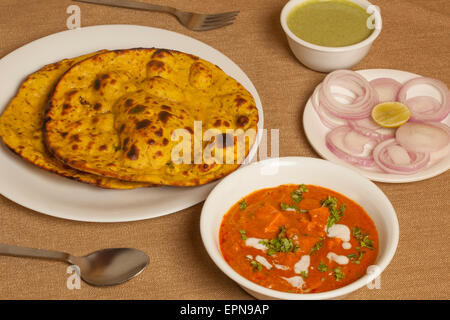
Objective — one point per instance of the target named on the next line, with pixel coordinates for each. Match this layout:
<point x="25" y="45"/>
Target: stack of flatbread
<point x="113" y="119"/>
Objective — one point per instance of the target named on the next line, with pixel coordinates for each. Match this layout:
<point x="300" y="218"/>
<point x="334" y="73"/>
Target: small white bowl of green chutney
<point x="327" y="35"/>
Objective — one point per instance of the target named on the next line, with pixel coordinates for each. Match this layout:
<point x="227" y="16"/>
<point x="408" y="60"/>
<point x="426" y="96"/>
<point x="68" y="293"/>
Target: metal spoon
<point x="105" y="267"/>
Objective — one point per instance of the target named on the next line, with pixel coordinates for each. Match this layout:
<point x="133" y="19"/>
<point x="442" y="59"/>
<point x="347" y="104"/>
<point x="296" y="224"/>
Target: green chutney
<point x="329" y="23"/>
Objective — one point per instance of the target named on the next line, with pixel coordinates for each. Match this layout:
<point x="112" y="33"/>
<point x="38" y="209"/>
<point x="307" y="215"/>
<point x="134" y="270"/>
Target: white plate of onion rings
<point x="338" y="124"/>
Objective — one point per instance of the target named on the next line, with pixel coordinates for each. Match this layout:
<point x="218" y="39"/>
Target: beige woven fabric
<point x="415" y="38"/>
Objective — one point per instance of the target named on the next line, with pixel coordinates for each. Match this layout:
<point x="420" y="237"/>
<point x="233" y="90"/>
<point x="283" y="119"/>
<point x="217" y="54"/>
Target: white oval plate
<point x="51" y="194"/>
<point x="296" y="170"/>
<point x="316" y="131"/>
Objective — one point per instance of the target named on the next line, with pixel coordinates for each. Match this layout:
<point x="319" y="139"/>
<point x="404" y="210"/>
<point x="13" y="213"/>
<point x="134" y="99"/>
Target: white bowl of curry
<point x="299" y="228"/>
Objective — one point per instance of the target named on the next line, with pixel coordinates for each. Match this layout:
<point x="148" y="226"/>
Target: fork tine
<point x="221" y="15"/>
<point x="214" y="22"/>
<point x="213" y="26"/>
<point x="220" y="19"/>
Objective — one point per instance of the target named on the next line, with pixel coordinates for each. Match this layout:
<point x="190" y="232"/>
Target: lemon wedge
<point x="390" y="114"/>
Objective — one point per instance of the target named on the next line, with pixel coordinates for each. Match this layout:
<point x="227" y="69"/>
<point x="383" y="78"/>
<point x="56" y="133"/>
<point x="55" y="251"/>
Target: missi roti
<point x="115" y="114"/>
<point x="21" y="125"/>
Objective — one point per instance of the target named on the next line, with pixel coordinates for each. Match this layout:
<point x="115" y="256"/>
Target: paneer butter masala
<point x="299" y="239"/>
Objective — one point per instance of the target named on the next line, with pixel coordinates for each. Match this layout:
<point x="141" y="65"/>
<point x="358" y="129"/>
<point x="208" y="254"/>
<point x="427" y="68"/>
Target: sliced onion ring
<point x="390" y="157"/>
<point x="360" y="107"/>
<point x="350" y="146"/>
<point x="366" y="123"/>
<point x="359" y="143"/>
<point x="439" y="113"/>
<point x="386" y="88"/>
<point x="327" y="119"/>
<point x="423" y="137"/>
<point x="368" y="127"/>
<point x="422" y="107"/>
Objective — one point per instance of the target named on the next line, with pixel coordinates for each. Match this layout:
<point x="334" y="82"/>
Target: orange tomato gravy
<point x="259" y="216"/>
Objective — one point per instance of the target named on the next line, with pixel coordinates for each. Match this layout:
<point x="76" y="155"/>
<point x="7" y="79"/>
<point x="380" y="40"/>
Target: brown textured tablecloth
<point x="415" y="38"/>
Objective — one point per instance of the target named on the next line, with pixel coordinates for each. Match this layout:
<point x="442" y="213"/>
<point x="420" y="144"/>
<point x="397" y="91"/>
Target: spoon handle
<point x="8" y="250"/>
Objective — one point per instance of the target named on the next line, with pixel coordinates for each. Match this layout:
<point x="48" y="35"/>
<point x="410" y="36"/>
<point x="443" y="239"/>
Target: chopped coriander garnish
<point x="335" y="212"/>
<point x="243" y="204"/>
<point x="304" y="274"/>
<point x="317" y="246"/>
<point x="256" y="265"/>
<point x="279" y="244"/>
<point x="297" y="195"/>
<point x="322" y="279"/>
<point x="329" y="202"/>
<point x="243" y="234"/>
<point x="290" y="207"/>
<point x="338" y="274"/>
<point x="363" y="238"/>
<point x="367" y="243"/>
<point x="285" y="206"/>
<point x="352" y="256"/>
<point x="282" y="232"/>
<point x="361" y="253"/>
<point x="322" y="267"/>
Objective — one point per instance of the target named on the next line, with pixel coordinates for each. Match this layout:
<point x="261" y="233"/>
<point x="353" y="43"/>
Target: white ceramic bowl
<point x="296" y="170"/>
<point x="327" y="59"/>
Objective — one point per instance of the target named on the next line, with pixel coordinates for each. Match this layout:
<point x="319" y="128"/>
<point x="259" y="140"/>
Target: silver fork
<point x="191" y="20"/>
